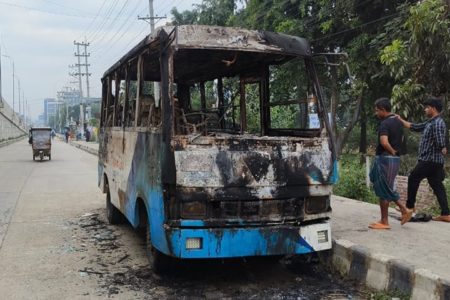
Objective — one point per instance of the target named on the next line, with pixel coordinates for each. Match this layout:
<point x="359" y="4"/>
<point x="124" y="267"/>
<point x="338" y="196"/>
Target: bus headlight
<point x="193" y="243"/>
<point x="193" y="209"/>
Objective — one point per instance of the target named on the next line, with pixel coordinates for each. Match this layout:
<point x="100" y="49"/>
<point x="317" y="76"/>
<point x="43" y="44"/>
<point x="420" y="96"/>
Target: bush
<point x="407" y="164"/>
<point x="352" y="180"/>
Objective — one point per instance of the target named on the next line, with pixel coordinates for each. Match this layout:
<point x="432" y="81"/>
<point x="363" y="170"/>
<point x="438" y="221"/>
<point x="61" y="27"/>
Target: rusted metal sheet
<point x="225" y="38"/>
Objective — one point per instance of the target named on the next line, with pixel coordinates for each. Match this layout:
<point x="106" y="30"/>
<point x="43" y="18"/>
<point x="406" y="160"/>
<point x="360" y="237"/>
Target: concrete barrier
<point x="10" y="141"/>
<point x="10" y="128"/>
<point x="88" y="147"/>
<point x="384" y="273"/>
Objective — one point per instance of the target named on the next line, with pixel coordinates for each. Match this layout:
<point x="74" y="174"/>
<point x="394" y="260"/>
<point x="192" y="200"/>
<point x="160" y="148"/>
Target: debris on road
<point x="109" y="260"/>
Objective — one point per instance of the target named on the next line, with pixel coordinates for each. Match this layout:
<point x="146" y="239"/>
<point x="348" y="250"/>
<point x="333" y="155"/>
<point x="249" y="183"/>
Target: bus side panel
<point x="131" y="161"/>
<point x="144" y="181"/>
<point x="110" y="162"/>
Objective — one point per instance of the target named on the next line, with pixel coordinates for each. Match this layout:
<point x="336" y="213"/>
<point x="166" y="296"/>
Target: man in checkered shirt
<point x="430" y="165"/>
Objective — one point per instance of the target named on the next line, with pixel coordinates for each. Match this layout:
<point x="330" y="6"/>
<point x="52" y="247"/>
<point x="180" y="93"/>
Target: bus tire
<point x="159" y="262"/>
<point x="113" y="215"/>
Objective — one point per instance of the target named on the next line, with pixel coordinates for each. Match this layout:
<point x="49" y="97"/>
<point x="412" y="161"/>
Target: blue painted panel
<point x="196" y="223"/>
<point x="238" y="242"/>
<point x="157" y="219"/>
<point x="335" y="173"/>
<point x="144" y="182"/>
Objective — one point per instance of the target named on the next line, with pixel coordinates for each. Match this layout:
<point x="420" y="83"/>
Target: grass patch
<point x="388" y="296"/>
<point x="352" y="180"/>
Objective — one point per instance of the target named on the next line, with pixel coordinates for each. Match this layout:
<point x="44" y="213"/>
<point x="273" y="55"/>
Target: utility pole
<point x="18" y="90"/>
<point x="23" y="106"/>
<point x="87" y="74"/>
<point x="23" y="103"/>
<point x="87" y="79"/>
<point x="1" y="95"/>
<point x="74" y="81"/>
<point x="79" y="65"/>
<point x="13" y="87"/>
<point x="28" y="112"/>
<point x="151" y="20"/>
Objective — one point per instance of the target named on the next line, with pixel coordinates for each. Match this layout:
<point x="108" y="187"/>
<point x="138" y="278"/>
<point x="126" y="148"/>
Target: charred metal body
<point x="232" y="156"/>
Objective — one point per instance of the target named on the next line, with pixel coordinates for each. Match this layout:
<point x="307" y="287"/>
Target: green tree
<point x="418" y="58"/>
<point x="209" y="12"/>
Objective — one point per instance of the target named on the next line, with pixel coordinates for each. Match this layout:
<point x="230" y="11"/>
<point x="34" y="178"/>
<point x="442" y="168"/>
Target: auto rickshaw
<point x="41" y="142"/>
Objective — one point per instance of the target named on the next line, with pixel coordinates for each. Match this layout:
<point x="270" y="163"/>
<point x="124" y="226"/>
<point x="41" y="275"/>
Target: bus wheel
<point x="159" y="262"/>
<point x="113" y="215"/>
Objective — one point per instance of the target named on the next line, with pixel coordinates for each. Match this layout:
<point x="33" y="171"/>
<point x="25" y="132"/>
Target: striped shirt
<point x="433" y="139"/>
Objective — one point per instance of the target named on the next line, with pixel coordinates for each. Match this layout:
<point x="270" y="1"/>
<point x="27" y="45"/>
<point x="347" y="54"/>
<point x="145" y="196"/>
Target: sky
<point x="38" y="37"/>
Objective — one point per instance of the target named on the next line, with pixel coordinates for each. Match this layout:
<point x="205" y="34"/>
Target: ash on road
<point x="116" y="270"/>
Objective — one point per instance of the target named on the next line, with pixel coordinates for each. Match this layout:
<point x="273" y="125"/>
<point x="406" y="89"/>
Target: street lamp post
<point x="1" y="95"/>
<point x="13" y="70"/>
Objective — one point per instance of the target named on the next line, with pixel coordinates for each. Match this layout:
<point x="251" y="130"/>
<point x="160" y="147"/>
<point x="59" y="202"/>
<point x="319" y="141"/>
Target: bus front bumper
<point x="239" y="242"/>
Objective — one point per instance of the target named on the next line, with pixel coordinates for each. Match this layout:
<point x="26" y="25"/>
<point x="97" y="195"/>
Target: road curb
<point x="9" y="142"/>
<point x="385" y="273"/>
<point x="84" y="148"/>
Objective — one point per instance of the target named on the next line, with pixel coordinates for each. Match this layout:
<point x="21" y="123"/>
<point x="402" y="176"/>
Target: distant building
<point x="50" y="109"/>
<point x="41" y="120"/>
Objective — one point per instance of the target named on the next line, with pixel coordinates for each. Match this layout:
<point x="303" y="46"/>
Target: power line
<point x="95" y="18"/>
<point x="130" y="41"/>
<point x="114" y="20"/>
<point x="42" y="11"/>
<point x="356" y="27"/>
<point x="121" y="28"/>
<point x="66" y="7"/>
<point x="100" y="27"/>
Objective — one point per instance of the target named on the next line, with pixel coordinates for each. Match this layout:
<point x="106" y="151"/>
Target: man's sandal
<point x="379" y="225"/>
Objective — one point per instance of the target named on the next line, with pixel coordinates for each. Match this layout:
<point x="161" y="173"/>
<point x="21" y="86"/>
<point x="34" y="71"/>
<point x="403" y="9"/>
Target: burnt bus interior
<point x="215" y="92"/>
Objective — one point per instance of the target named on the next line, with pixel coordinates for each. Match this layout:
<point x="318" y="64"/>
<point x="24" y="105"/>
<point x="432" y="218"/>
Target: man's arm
<point x="384" y="141"/>
<point x="439" y="131"/>
<point x="406" y="124"/>
<point x="414" y="127"/>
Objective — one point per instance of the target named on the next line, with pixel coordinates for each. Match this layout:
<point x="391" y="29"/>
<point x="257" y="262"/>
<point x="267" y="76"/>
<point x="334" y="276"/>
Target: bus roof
<point x="223" y="38"/>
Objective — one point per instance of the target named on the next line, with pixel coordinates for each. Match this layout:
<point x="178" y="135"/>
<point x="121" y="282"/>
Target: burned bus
<point x="215" y="143"/>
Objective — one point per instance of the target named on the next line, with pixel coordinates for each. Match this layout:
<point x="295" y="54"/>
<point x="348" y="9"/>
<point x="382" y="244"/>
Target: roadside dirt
<point x="117" y="267"/>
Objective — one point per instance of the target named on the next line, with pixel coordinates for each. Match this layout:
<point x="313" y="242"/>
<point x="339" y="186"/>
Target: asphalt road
<point x="55" y="244"/>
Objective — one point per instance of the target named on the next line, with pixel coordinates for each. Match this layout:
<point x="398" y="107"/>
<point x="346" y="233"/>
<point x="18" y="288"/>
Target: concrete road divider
<point x="385" y="273"/>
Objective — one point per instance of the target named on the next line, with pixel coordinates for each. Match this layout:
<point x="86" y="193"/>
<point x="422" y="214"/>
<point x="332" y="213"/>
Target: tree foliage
<point x="418" y="59"/>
